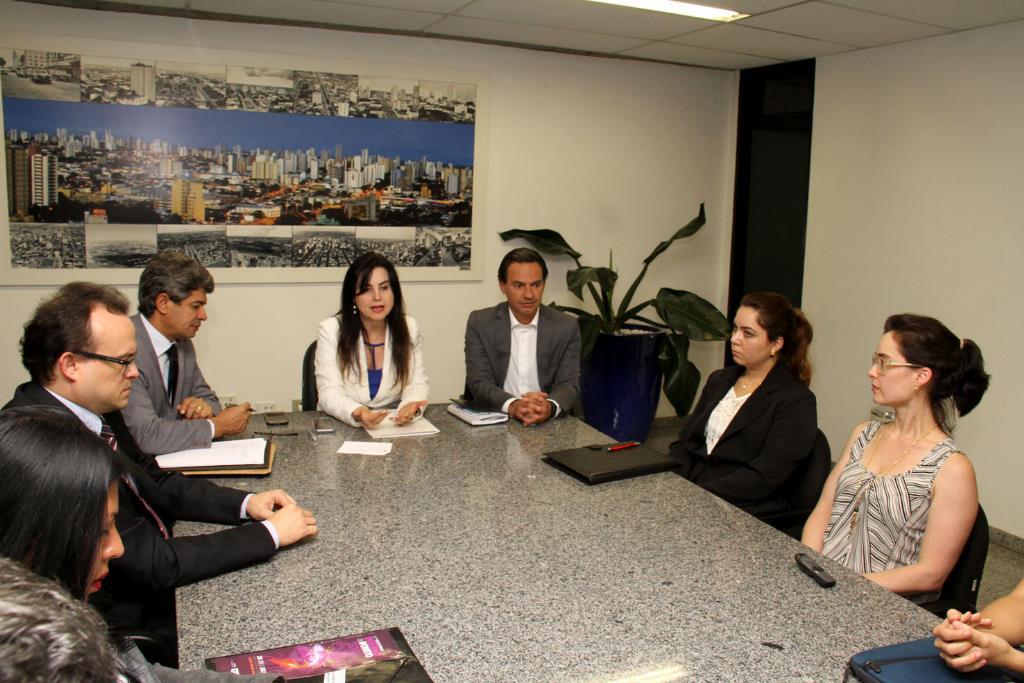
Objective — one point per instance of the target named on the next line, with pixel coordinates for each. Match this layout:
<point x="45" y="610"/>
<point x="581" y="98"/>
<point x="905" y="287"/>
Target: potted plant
<point x="625" y="352"/>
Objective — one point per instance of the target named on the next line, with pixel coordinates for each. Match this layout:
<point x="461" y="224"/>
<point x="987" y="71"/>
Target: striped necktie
<point x="107" y="434"/>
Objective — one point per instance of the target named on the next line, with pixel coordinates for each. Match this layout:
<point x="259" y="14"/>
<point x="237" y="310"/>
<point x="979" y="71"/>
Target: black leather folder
<point x="598" y="465"/>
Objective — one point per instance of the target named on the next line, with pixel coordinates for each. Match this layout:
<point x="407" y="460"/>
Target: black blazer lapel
<point x="759" y="401"/>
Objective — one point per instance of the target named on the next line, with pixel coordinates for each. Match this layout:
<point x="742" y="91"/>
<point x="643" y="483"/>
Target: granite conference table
<point x="497" y="567"/>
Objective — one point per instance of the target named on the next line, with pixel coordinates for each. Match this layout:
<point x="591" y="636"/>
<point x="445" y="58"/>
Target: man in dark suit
<point x="79" y="348"/>
<point x="171" y="407"/>
<point x="523" y="358"/>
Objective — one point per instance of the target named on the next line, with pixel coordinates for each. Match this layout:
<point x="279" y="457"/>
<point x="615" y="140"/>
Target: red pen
<point x="623" y="446"/>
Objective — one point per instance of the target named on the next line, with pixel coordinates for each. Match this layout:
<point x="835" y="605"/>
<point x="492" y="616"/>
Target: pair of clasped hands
<point x="966" y="644"/>
<point x="406" y="414"/>
<point x="230" y="421"/>
<point x="533" y="408"/>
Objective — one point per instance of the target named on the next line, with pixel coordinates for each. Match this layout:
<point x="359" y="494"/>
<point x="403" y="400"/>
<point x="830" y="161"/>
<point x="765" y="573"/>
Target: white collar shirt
<point x="161" y="345"/>
<point x="522" y="377"/>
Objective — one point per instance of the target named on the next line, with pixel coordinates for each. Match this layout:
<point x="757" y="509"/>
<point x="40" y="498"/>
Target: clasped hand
<point x="533" y="408"/>
<point x="965" y="644"/>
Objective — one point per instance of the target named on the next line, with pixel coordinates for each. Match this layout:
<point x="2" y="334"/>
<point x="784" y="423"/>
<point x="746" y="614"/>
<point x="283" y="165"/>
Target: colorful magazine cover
<point x="373" y="657"/>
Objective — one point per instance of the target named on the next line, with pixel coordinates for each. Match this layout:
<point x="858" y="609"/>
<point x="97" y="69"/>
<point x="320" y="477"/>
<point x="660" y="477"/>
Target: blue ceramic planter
<point x="620" y="385"/>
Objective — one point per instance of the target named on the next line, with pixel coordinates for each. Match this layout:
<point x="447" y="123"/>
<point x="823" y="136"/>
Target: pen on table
<point x="277" y="433"/>
<point x="623" y="446"/>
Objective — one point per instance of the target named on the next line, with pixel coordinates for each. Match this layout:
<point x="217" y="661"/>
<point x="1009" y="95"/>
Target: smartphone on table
<point x="275" y="419"/>
<point x="323" y="425"/>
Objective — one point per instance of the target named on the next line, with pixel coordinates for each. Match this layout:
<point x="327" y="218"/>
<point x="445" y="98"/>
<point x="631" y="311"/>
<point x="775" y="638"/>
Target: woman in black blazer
<point x="755" y="422"/>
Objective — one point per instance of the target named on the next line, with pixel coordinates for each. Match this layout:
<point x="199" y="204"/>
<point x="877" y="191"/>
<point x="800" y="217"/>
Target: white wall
<point x="614" y="154"/>
<point x="916" y="204"/>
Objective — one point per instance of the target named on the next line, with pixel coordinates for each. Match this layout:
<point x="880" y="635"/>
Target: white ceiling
<point x="776" y="31"/>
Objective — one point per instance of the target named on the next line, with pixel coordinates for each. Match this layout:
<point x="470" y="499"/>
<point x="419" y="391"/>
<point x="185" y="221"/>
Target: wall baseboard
<point x="1007" y="540"/>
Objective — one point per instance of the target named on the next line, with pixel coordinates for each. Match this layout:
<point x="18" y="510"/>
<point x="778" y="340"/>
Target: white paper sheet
<point x="236" y="452"/>
<point x="365" y="448"/>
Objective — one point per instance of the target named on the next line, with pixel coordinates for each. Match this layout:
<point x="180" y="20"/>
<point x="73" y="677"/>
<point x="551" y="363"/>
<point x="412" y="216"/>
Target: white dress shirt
<point x="521" y="377"/>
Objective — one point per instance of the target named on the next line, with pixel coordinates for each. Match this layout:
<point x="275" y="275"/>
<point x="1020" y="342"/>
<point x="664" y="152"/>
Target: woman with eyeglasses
<point x="58" y="500"/>
<point x="754" y="425"/>
<point x="900" y="503"/>
<point x="369" y="355"/>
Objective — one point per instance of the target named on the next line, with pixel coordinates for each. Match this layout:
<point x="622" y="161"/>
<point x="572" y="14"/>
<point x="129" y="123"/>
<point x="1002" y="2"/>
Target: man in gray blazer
<point x="171" y="407"/>
<point x="523" y="358"/>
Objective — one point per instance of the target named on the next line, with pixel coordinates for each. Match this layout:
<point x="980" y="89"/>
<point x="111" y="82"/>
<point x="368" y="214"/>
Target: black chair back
<point x="309" y="393"/>
<point x="803" y="489"/>
<point x="806" y="486"/>
<point x="960" y="590"/>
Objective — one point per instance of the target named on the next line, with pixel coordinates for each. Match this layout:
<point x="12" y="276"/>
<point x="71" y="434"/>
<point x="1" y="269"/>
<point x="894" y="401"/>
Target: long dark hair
<point x="54" y="478"/>
<point x="958" y="378"/>
<point x="357" y="279"/>
<point x="779" y="318"/>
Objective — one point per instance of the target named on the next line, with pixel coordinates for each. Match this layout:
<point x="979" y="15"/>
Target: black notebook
<point x="597" y="465"/>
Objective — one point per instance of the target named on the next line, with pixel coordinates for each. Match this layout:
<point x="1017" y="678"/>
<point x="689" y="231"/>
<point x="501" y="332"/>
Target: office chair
<point x="960" y="591"/>
<point x="803" y="489"/>
<point x="309" y="392"/>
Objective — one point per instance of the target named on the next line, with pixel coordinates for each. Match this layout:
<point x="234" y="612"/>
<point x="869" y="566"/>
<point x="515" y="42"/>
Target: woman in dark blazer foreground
<point x="755" y="423"/>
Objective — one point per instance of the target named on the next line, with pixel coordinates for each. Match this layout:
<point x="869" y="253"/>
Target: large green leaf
<point x="688" y="313"/>
<point x="681" y="376"/>
<point x="544" y="241"/>
<point x="689" y="229"/>
<point x="576" y="279"/>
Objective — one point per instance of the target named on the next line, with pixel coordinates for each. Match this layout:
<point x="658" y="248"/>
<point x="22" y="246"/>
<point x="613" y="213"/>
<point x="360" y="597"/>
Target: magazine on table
<point x="371" y="657"/>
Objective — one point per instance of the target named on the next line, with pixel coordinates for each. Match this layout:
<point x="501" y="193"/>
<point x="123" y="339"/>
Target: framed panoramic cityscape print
<point x="265" y="173"/>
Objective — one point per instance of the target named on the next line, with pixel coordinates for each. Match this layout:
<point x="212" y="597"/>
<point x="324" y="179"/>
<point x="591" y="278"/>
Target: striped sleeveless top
<point x="878" y="522"/>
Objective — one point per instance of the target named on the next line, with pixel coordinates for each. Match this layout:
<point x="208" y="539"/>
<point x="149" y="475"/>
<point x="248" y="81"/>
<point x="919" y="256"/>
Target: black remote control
<point x="808" y="565"/>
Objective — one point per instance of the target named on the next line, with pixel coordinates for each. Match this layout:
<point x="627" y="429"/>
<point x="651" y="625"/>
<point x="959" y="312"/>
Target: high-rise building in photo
<point x="44" y="179"/>
<point x="187" y="200"/>
<point x="144" y="81"/>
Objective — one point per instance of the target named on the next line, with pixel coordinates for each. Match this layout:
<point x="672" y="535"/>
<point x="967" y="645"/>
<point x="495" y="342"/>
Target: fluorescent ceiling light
<point x="686" y="9"/>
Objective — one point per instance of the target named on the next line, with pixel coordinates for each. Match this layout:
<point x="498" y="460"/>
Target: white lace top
<point x="721" y="416"/>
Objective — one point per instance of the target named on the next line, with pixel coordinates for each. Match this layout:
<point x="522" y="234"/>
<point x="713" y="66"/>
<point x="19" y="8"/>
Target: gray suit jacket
<point x="489" y="344"/>
<point x="153" y="421"/>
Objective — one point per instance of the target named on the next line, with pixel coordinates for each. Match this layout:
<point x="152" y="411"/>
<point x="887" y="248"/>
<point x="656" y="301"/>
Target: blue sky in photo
<point x="203" y="128"/>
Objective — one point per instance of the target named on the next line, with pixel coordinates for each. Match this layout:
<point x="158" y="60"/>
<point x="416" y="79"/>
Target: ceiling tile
<point x="699" y="56"/>
<point x="533" y="35"/>
<point x="175" y="4"/>
<point x="323" y="12"/>
<point x="958" y="14"/>
<point x="840" y="25"/>
<point x="581" y="15"/>
<point x="755" y="41"/>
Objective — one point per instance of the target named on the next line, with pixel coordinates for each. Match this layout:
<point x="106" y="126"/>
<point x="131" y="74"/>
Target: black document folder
<point x="597" y="465"/>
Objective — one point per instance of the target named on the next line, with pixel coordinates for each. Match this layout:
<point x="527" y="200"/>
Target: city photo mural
<point x="109" y="160"/>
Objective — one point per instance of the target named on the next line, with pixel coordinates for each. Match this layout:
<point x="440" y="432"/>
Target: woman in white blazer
<point x="369" y="356"/>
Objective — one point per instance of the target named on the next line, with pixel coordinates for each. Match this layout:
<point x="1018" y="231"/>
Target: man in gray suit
<point x="523" y="358"/>
<point x="171" y="407"/>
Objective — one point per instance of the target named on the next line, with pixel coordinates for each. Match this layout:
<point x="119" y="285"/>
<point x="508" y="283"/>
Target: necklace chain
<point x="874" y="477"/>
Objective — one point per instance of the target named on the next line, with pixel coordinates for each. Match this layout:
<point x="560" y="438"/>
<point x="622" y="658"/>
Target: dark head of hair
<point x="779" y="318"/>
<point x="54" y="478"/>
<point x="46" y="635"/>
<point x="174" y="274"/>
<point x="357" y="281"/>
<point x="61" y="323"/>
<point x="958" y="378"/>
<point x="521" y="255"/>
